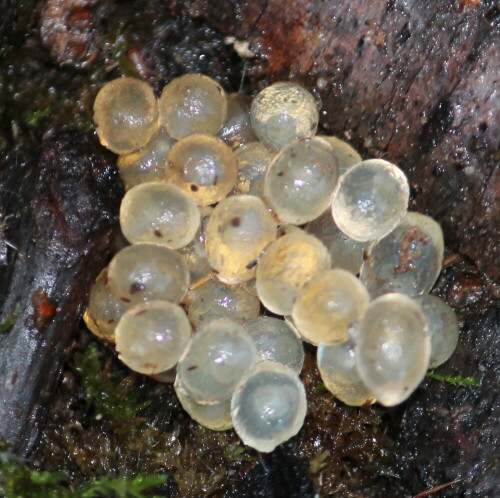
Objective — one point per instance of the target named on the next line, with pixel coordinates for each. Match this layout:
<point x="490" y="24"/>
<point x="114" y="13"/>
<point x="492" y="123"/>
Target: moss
<point x="117" y="402"/>
<point x="19" y="480"/>
<point x="8" y="322"/>
<point x="454" y="380"/>
<point x="32" y="117"/>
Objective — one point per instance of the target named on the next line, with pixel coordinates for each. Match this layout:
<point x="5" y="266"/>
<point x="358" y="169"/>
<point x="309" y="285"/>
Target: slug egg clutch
<point x="249" y="235"/>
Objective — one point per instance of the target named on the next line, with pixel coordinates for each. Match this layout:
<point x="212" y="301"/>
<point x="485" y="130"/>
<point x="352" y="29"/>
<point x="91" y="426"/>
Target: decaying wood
<point x="66" y="209"/>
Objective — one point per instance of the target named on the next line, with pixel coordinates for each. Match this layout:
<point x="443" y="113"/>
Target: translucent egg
<point x="195" y="253"/>
<point x="142" y="272"/>
<point x="283" y="112"/>
<point x="286" y="265"/>
<point x="287" y="228"/>
<point x="237" y="129"/>
<point x="193" y="103"/>
<point x="249" y="286"/>
<point x="237" y="232"/>
<point x="151" y="337"/>
<point x="392" y="348"/>
<point x="337" y="367"/>
<point x="407" y="260"/>
<point x="276" y="341"/>
<point x="148" y="164"/>
<point x="346" y="253"/>
<point x="442" y="325"/>
<point x="167" y="377"/>
<point x="216" y="417"/>
<point x="253" y="162"/>
<point x="269" y="406"/>
<point x="327" y="305"/>
<point x="204" y="167"/>
<point x="217" y="358"/>
<point x="103" y="310"/>
<point x="370" y="200"/>
<point x="159" y="213"/>
<point x="214" y="299"/>
<point x="347" y="156"/>
<point x="300" y="180"/>
<point x="126" y="115"/>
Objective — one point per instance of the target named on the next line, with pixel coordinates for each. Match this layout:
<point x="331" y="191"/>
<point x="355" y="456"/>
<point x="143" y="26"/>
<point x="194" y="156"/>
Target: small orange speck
<point x="46" y="310"/>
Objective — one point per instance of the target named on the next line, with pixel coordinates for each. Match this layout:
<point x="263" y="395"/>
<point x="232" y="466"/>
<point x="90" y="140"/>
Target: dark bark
<point x="62" y="222"/>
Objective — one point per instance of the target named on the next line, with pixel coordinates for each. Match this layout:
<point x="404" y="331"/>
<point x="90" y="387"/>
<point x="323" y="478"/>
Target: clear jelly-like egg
<point x="286" y="265"/>
<point x="195" y="253"/>
<point x="204" y="167"/>
<point x="142" y="272"/>
<point x="249" y="286"/>
<point x="300" y="180"/>
<point x="327" y="305"/>
<point x="253" y="162"/>
<point x="283" y="112"/>
<point x="192" y="103"/>
<point x="443" y="328"/>
<point x="237" y="129"/>
<point x="104" y="309"/>
<point x="217" y="358"/>
<point x="347" y="156"/>
<point x="148" y="164"/>
<point x="237" y="232"/>
<point x="151" y="336"/>
<point x="407" y="260"/>
<point x="126" y="115"/>
<point x="393" y="348"/>
<point x="269" y="406"/>
<point x="338" y="370"/>
<point x="159" y="213"/>
<point x="346" y="253"/>
<point x="370" y="200"/>
<point x="216" y="417"/>
<point x="214" y="299"/>
<point x="276" y="341"/>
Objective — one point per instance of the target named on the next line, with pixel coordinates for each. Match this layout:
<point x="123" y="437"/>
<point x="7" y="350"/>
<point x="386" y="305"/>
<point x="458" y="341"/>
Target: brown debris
<point x="68" y="31"/>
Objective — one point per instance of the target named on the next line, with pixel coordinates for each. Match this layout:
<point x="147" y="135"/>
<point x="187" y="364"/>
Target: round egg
<point x="126" y="115"/>
<point x="269" y="406"/>
<point x="283" y="112"/>
<point x="204" y="167"/>
<point x="370" y="200"/>
<point x="392" y="348"/>
<point x="218" y="356"/>
<point x="159" y="213"/>
<point x="151" y="336"/>
<point x="142" y="272"/>
<point x="192" y="103"/>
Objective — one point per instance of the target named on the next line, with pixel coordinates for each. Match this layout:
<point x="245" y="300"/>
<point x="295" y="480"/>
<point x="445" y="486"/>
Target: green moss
<point x="10" y="319"/>
<point x="33" y="117"/>
<point x="117" y="402"/>
<point x="18" y="480"/>
<point x="320" y="388"/>
<point x="454" y="380"/>
<point x="121" y="487"/>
